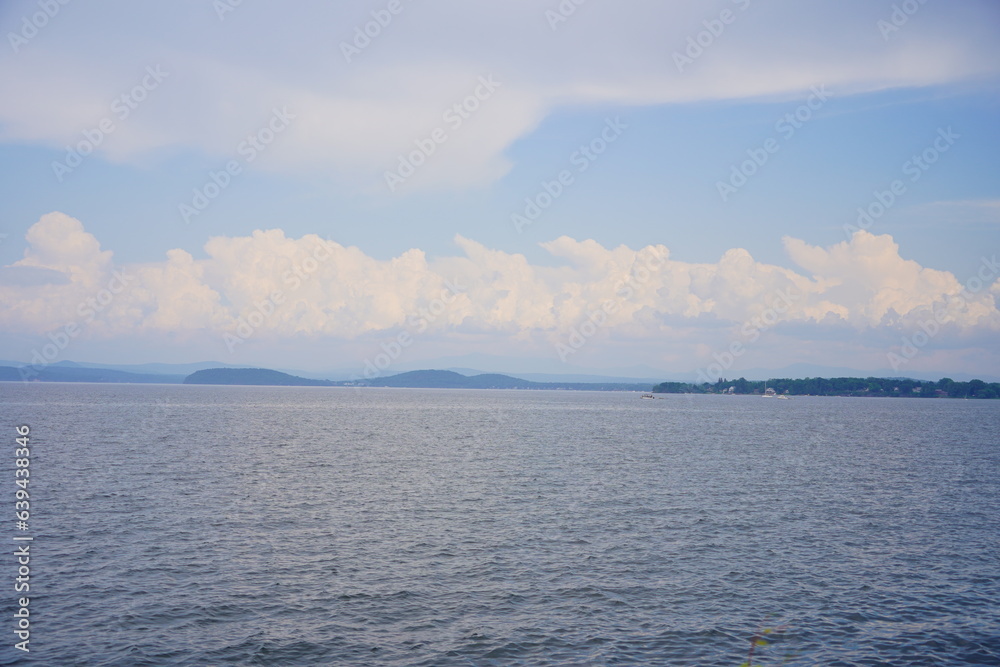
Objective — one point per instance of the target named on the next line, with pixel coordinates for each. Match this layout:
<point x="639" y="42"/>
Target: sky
<point x="639" y="187"/>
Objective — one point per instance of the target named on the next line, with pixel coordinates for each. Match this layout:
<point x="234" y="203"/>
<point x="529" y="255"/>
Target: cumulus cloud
<point x="61" y="267"/>
<point x="59" y="242"/>
<point x="314" y="288"/>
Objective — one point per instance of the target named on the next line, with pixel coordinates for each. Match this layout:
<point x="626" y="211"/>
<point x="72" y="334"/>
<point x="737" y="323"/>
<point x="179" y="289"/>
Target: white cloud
<point x="71" y="258"/>
<point x="356" y="118"/>
<point x="869" y="280"/>
<point x="321" y="290"/>
<point x="59" y="242"/>
<point x="172" y="296"/>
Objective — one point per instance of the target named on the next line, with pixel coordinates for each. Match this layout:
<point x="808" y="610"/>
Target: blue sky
<point x="172" y="94"/>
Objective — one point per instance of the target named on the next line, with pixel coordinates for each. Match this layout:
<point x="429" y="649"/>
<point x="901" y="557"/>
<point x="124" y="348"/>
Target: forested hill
<point x="879" y="387"/>
<point x="452" y="380"/>
<point x="251" y="376"/>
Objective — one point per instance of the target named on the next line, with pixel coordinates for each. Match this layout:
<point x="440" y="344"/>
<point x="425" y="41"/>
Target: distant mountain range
<point x="56" y="373"/>
<point x="635" y="379"/>
<point x="181" y="370"/>
<point x="426" y="379"/>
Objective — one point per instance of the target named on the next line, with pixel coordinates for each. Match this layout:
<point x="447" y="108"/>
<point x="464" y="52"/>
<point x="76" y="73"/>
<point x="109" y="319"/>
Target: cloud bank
<point x="271" y="288"/>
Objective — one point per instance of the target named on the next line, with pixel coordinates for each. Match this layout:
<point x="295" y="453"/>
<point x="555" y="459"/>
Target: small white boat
<point x="647" y="396"/>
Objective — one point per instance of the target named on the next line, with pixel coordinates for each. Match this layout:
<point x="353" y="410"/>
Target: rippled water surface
<point x="188" y="525"/>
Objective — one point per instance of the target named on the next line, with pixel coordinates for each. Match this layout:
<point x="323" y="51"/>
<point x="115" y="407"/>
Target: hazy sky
<point x="586" y="184"/>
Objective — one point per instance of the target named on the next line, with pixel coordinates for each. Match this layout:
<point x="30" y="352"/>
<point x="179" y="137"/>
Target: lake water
<point x="194" y="525"/>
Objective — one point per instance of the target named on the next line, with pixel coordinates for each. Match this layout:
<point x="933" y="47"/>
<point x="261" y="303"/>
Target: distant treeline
<point x="944" y="388"/>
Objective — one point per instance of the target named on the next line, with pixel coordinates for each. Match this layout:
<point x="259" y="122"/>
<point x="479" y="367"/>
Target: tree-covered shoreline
<point x="869" y="387"/>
